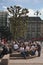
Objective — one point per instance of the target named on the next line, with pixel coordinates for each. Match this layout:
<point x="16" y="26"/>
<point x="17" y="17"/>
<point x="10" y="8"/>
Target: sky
<point x="31" y="5"/>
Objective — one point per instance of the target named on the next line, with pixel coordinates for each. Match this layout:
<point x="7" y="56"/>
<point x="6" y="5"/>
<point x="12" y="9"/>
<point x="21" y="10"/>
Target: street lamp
<point x="37" y="13"/>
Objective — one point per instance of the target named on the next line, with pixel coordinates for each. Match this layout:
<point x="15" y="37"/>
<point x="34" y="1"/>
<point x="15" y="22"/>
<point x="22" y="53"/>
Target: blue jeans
<point x="32" y="52"/>
<point x="23" y="54"/>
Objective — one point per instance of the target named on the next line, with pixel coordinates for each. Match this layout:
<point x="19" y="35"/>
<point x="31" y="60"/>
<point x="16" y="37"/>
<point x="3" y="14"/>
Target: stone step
<point x="15" y="55"/>
<point x="12" y="58"/>
<point x="20" y="57"/>
<point x="25" y="63"/>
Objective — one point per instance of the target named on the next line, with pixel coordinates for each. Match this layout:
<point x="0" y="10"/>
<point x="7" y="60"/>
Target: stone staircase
<point x="26" y="64"/>
<point x="32" y="61"/>
<point x="17" y="55"/>
<point x="13" y="60"/>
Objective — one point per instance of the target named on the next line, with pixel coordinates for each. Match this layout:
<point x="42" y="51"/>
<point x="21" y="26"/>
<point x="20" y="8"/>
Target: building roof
<point x="34" y="19"/>
<point x="31" y="18"/>
<point x="3" y="13"/>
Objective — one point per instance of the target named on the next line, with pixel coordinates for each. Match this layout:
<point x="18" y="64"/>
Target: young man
<point x="27" y="50"/>
<point x="39" y="48"/>
<point x="22" y="50"/>
<point x="32" y="50"/>
<point x="15" y="46"/>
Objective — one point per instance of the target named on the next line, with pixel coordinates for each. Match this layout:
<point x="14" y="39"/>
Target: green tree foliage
<point x="18" y="21"/>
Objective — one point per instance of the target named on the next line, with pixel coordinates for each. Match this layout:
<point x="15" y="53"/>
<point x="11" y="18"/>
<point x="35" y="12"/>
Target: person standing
<point x="39" y="49"/>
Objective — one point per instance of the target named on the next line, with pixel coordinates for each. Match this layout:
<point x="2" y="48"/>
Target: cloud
<point x="20" y="1"/>
<point x="37" y="1"/>
<point x="31" y="12"/>
<point x="1" y="4"/>
<point x="4" y="7"/>
<point x="33" y="1"/>
<point x="41" y="11"/>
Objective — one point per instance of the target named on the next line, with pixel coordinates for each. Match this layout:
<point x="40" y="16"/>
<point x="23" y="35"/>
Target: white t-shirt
<point x="21" y="49"/>
<point x="16" y="46"/>
<point x="27" y="48"/>
<point x="26" y="43"/>
<point x="33" y="48"/>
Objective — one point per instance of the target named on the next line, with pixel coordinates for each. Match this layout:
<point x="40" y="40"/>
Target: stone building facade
<point x="35" y="28"/>
<point x="27" y="27"/>
<point x="4" y="28"/>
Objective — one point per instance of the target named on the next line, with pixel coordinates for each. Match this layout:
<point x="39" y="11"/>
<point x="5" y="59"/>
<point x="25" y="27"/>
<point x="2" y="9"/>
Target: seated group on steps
<point x="25" y="48"/>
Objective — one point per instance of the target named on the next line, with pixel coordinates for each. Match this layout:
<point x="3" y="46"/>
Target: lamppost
<point x="37" y="13"/>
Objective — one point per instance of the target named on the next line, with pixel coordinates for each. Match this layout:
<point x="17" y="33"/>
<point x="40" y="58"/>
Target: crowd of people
<point x="28" y="48"/>
<point x="25" y="48"/>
